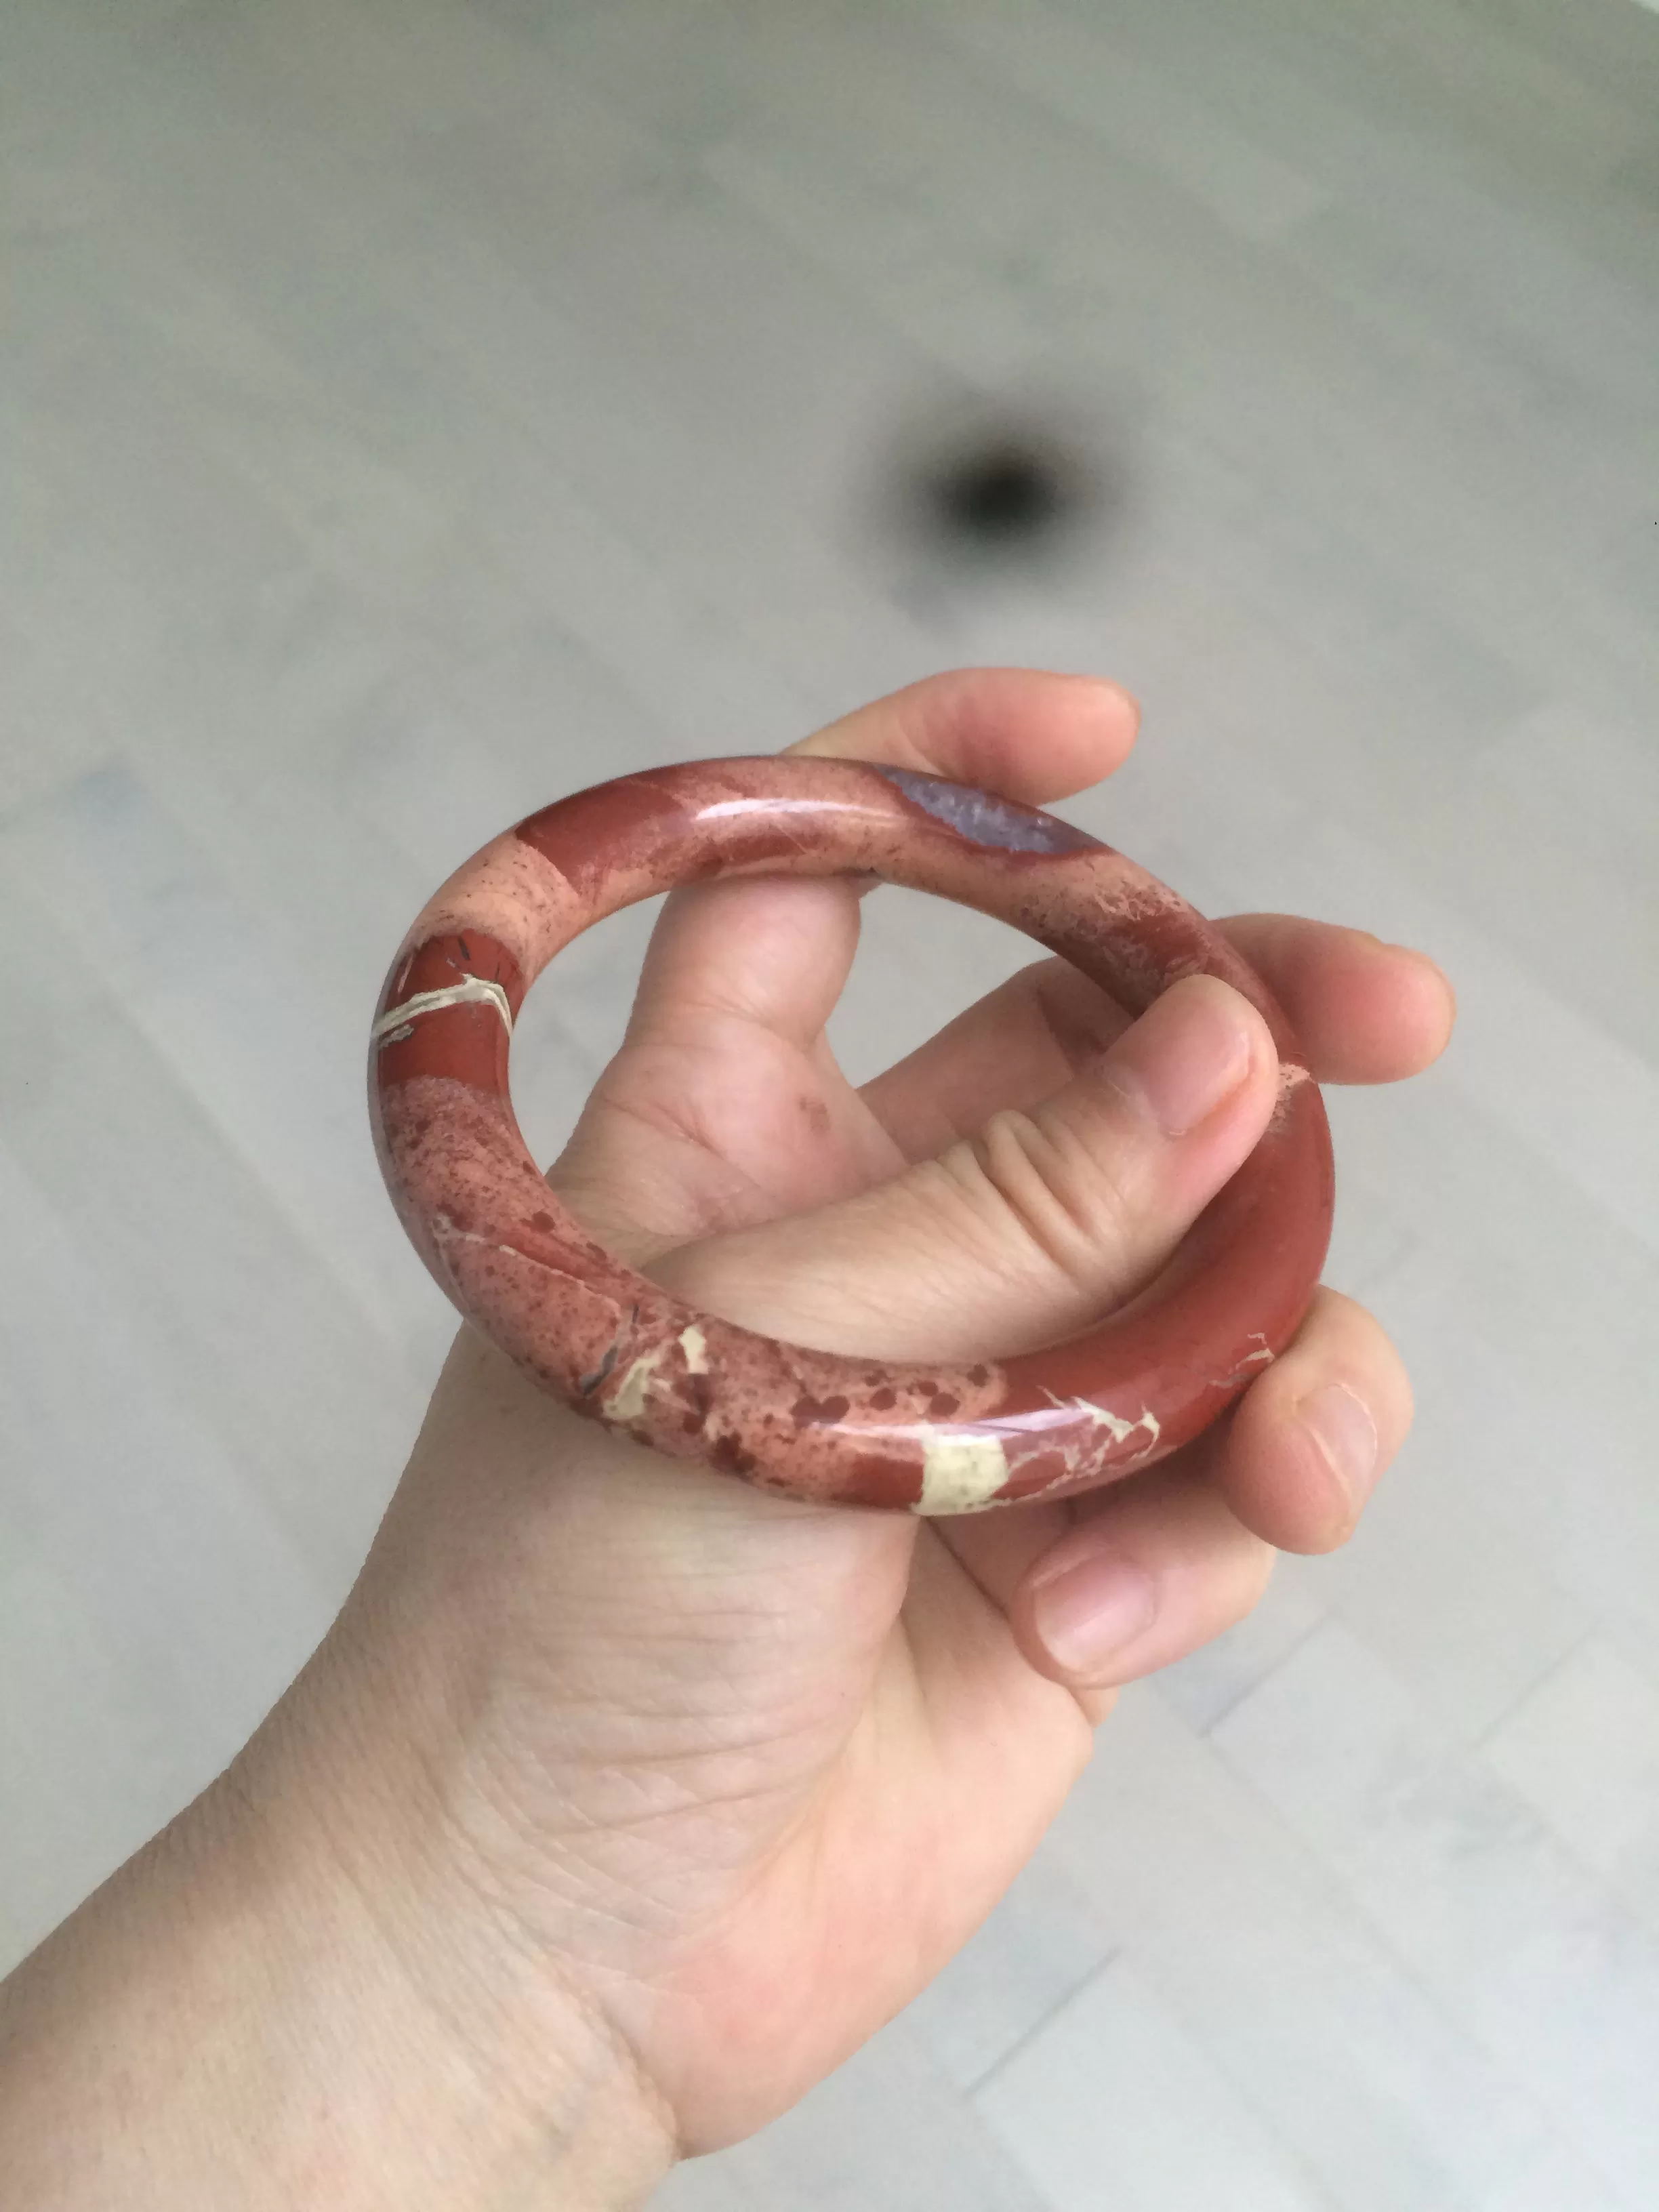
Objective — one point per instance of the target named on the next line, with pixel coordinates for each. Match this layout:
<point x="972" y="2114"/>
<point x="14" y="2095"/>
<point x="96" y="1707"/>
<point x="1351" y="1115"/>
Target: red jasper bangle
<point x="935" y="1440"/>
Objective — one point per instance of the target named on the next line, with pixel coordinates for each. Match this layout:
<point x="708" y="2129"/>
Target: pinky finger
<point x="1157" y="1569"/>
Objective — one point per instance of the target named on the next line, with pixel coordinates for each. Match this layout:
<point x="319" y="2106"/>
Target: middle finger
<point x="1363" y="1011"/>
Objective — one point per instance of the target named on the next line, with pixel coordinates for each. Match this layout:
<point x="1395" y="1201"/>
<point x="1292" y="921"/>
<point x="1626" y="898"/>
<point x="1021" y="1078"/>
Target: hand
<point x="624" y="1801"/>
<point x="751" y="1771"/>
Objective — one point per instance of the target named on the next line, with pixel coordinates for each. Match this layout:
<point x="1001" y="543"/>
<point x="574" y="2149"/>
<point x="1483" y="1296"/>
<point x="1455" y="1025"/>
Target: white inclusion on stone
<point x="1264" y="1355"/>
<point x="1292" y="1076"/>
<point x="627" y="1401"/>
<point x="695" y="1345"/>
<point x="472" y="990"/>
<point x="959" y="1473"/>
<point x="1104" y="1419"/>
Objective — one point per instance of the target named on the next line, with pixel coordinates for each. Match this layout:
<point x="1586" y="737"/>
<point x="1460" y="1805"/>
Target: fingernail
<point x="1186" y="1054"/>
<point x="1091" y="1612"/>
<point x="1341" y="1424"/>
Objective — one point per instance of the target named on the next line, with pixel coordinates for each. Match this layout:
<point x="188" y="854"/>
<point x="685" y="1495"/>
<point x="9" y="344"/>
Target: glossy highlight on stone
<point x="933" y="1439"/>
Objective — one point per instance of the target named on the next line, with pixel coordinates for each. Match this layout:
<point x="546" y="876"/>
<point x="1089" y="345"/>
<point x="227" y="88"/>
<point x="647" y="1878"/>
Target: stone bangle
<point x="612" y="1344"/>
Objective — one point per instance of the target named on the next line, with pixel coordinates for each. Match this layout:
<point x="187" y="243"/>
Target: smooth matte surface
<point x="409" y="411"/>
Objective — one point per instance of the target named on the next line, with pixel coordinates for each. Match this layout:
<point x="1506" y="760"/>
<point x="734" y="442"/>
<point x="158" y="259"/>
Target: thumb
<point x="1031" y="1227"/>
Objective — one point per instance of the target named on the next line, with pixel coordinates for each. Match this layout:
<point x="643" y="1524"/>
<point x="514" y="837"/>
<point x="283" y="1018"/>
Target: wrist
<point x="248" y="2012"/>
<point x="437" y="2062"/>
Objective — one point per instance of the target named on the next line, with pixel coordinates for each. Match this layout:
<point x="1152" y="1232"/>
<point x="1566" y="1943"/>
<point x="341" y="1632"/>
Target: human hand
<point x="622" y="1801"/>
<point x="732" y="1775"/>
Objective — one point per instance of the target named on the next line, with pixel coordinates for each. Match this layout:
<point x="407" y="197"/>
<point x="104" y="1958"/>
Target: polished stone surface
<point x="1124" y="1393"/>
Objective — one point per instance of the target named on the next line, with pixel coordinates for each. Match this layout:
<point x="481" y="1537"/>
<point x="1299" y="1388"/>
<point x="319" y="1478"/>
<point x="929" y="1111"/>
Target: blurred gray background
<point x="412" y="410"/>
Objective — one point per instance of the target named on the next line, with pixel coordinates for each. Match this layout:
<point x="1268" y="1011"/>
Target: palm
<point x="927" y="1757"/>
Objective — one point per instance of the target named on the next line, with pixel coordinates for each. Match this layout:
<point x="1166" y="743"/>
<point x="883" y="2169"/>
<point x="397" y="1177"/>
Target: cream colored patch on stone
<point x="959" y="1473"/>
<point x="1103" y="1418"/>
<point x="472" y="990"/>
<point x="695" y="1345"/>
<point x="1263" y="1357"/>
<point x="1292" y="1076"/>
<point x="628" y="1400"/>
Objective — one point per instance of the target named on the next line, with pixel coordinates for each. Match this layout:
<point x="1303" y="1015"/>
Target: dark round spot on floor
<point x="1000" y="491"/>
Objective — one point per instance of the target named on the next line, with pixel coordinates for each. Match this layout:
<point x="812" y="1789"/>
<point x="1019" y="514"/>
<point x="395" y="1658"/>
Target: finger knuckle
<point x="1038" y="1180"/>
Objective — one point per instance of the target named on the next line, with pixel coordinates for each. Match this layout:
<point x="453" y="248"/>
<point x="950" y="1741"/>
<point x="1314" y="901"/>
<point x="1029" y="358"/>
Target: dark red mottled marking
<point x="813" y="1413"/>
<point x="620" y="1349"/>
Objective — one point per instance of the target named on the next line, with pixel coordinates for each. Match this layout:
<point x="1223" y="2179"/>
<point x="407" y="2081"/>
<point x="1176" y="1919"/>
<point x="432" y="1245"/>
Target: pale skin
<point x="623" y="1802"/>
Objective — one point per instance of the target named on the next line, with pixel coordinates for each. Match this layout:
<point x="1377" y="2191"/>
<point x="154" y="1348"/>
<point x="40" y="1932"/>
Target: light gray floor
<point x="412" y="410"/>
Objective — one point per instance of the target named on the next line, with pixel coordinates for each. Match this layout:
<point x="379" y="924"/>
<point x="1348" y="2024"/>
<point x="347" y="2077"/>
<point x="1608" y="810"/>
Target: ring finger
<point x="1134" y="1577"/>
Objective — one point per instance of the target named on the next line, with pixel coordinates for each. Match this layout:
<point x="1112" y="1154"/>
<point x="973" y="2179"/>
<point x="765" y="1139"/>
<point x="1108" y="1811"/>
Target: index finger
<point x="1024" y="733"/>
<point x="776" y="952"/>
<point x="1363" y="1011"/>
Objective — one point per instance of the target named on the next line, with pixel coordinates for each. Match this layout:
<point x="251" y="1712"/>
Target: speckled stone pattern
<point x="939" y="1439"/>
